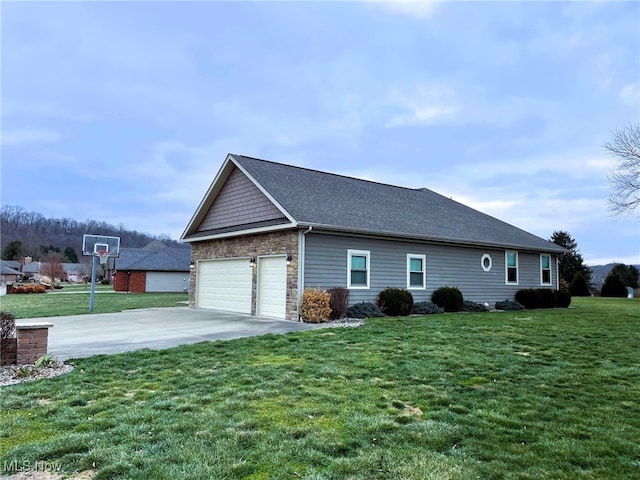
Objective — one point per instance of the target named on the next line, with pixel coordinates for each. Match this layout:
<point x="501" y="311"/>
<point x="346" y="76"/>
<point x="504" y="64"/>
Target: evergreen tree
<point x="613" y="287"/>
<point x="579" y="287"/>
<point x="13" y="251"/>
<point x="570" y="263"/>
<point x="628" y="274"/>
<point x="70" y="255"/>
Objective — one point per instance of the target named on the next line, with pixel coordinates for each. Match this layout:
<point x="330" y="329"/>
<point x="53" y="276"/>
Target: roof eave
<point x="238" y="233"/>
<point x="425" y="238"/>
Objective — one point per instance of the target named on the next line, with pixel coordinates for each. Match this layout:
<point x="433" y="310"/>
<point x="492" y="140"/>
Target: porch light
<point x="288" y="259"/>
<point x="252" y="262"/>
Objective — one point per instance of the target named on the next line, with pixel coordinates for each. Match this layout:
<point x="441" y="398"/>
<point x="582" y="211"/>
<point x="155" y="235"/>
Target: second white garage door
<point x="224" y="285"/>
<point x="272" y="287"/>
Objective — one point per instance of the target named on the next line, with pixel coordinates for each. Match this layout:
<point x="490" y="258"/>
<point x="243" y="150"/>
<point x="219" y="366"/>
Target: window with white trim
<point x="545" y="269"/>
<point x="511" y="264"/>
<point x="416" y="271"/>
<point x="358" y="268"/>
<point x="486" y="262"/>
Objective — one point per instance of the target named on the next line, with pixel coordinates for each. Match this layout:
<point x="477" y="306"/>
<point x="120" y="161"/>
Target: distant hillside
<point x="33" y="230"/>
<point x="600" y="272"/>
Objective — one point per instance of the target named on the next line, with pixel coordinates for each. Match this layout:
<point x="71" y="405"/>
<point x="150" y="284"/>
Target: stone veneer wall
<point x="271" y="243"/>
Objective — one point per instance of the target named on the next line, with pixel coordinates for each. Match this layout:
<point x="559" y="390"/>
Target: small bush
<point x="338" y="301"/>
<point x="40" y="289"/>
<point x="395" y="302"/>
<point x="530" y="298"/>
<point x="549" y="298"/>
<point x="469" y="306"/>
<point x="509" y="305"/>
<point x="448" y="298"/>
<point x="364" y="310"/>
<point x="7" y="332"/>
<point x="105" y="281"/>
<point x="563" y="298"/>
<point x="426" y="308"/>
<point x="20" y="289"/>
<point x="314" y="306"/>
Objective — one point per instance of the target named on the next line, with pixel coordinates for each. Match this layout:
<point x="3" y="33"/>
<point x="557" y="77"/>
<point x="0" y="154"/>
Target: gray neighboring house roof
<point x="8" y="267"/>
<point x="154" y="257"/>
<point x="327" y="201"/>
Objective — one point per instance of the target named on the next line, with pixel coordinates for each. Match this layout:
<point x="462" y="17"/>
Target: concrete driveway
<point x="80" y="336"/>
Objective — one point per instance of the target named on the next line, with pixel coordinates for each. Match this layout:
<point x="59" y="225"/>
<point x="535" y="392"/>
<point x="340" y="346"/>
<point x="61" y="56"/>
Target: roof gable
<point x="239" y="203"/>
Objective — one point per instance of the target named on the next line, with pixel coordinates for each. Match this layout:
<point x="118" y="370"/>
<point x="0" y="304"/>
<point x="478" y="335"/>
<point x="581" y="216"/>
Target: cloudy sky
<point x="124" y="111"/>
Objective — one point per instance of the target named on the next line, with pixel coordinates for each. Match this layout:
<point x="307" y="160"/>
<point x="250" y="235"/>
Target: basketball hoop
<point x="102" y="256"/>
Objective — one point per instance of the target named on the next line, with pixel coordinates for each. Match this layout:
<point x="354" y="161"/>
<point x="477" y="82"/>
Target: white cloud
<point x="422" y="105"/>
<point x="630" y="94"/>
<point x="29" y="136"/>
<point x="414" y="8"/>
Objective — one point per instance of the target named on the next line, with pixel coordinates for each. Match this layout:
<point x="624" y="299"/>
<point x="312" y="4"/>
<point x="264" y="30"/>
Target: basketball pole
<point x="92" y="300"/>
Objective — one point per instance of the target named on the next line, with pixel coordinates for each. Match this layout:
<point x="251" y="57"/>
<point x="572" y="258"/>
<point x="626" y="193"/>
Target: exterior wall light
<point x="289" y="259"/>
<point x="252" y="262"/>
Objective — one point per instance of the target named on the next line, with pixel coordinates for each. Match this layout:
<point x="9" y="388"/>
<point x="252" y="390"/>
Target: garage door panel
<point x="224" y="285"/>
<point x="272" y="286"/>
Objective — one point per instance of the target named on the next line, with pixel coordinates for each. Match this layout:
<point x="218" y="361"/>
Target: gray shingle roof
<point x="167" y="259"/>
<point x="315" y="198"/>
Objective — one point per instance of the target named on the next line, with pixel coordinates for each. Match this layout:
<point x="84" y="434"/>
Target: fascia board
<point x="251" y="231"/>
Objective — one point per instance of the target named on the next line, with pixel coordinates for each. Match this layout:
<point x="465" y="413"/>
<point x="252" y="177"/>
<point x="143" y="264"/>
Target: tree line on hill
<point x="582" y="281"/>
<point x="26" y="233"/>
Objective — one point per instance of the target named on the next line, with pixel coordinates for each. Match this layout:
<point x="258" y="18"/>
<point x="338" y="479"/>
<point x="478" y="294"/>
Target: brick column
<point x="32" y="339"/>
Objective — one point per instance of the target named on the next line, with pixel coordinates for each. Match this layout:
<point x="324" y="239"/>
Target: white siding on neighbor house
<point x="326" y="267"/>
<point x="272" y="287"/>
<point x="167" y="281"/>
<point x="224" y="285"/>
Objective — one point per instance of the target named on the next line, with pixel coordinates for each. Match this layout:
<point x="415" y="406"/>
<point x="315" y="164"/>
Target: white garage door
<point x="224" y="285"/>
<point x="272" y="287"/>
<point x="167" y="281"/>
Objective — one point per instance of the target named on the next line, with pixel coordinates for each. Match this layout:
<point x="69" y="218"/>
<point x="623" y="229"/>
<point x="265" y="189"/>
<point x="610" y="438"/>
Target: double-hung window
<point x="358" y="268"/>
<point x="511" y="261"/>
<point x="416" y="276"/>
<point x="545" y="269"/>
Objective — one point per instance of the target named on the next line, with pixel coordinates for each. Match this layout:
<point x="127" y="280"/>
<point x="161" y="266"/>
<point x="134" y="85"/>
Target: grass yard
<point x="75" y="301"/>
<point x="514" y="395"/>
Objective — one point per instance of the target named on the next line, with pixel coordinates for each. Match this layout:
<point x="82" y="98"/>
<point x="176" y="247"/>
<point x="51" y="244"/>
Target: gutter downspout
<point x="301" y="255"/>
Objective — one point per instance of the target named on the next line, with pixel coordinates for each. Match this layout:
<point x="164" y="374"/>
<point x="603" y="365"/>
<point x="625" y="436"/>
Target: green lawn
<point x="75" y="301"/>
<point x="512" y="395"/>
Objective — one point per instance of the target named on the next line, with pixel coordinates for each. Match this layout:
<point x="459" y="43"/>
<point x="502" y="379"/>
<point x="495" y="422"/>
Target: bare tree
<point x="624" y="179"/>
<point x="52" y="268"/>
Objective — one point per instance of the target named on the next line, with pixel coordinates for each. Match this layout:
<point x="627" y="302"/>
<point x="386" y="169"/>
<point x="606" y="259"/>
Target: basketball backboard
<point x="93" y="245"/>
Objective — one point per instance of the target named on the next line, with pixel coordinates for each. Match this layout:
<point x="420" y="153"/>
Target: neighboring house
<point x="154" y="268"/>
<point x="76" y="272"/>
<point x="32" y="271"/>
<point x="264" y="231"/>
<point x="10" y="271"/>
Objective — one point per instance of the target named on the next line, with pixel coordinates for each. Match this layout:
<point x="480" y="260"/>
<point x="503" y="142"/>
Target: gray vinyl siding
<point x="239" y="202"/>
<point x="326" y="267"/>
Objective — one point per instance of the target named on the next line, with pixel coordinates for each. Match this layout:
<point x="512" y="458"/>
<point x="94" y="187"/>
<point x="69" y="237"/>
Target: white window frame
<point x="411" y="256"/>
<point x="542" y="282"/>
<point x="358" y="253"/>
<point x="484" y="257"/>
<point x="506" y="268"/>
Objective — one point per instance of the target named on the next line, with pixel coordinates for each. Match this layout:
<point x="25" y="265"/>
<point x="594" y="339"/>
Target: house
<point x="264" y="231"/>
<point x="10" y="271"/>
<point x="154" y="268"/>
<point x="76" y="272"/>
